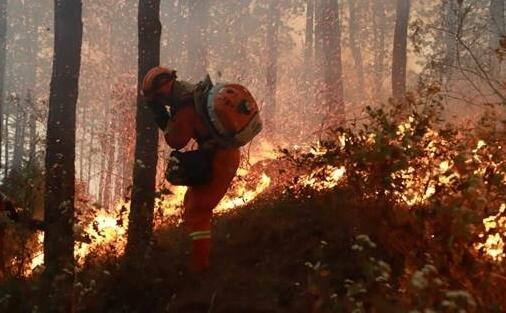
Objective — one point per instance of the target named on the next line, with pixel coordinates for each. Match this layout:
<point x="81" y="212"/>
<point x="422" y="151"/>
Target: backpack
<point x="230" y="112"/>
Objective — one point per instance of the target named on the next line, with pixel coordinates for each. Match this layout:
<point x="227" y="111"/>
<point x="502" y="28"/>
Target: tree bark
<point x="90" y="158"/>
<point x="19" y="134"/>
<point x="3" y="41"/>
<point x="60" y="157"/>
<point x="6" y="141"/>
<point x="356" y="49"/>
<point x="32" y="127"/>
<point x="328" y="35"/>
<point x="272" y="30"/>
<point x="309" y="34"/>
<point x="107" y="198"/>
<point x="399" y="54"/>
<point x="451" y="21"/>
<point x="379" y="25"/>
<point x="140" y="226"/>
<point x="497" y="30"/>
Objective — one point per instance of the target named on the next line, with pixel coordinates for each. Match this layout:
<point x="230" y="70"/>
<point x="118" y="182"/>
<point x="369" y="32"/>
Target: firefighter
<point x="209" y="170"/>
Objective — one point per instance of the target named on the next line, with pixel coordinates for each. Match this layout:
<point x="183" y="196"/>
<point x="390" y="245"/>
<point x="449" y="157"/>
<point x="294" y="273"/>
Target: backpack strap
<point x="182" y="95"/>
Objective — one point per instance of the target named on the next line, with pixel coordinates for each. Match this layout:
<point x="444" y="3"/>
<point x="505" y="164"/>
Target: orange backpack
<point x="230" y="112"/>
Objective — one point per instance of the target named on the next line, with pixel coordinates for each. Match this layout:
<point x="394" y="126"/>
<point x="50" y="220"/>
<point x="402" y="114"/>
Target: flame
<point x="415" y="184"/>
<point x="244" y="195"/>
<point x="324" y="178"/>
<point x="105" y="232"/>
<point x="494" y="244"/>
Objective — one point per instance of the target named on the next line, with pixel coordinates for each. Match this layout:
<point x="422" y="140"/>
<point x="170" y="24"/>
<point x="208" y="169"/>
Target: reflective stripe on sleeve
<point x="197" y="235"/>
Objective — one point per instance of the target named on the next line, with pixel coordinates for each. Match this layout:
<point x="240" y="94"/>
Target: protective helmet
<point x="158" y="80"/>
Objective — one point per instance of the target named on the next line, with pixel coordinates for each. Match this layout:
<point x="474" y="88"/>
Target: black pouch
<point x="191" y="168"/>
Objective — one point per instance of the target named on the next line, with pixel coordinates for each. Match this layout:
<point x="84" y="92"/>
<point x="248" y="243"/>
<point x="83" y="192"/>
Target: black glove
<point x="160" y="112"/>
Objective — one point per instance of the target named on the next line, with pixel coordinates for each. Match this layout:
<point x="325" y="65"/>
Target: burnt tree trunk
<point x="6" y="140"/>
<point x="450" y="23"/>
<point x="308" y="76"/>
<point x="497" y="30"/>
<point x="309" y="34"/>
<point x="90" y="158"/>
<point x="3" y="41"/>
<point x="379" y="25"/>
<point x="272" y="65"/>
<point x="356" y="49"/>
<point x="107" y="198"/>
<point x="19" y="134"/>
<point x="60" y="157"/>
<point x="140" y="226"/>
<point x="81" y="141"/>
<point x="32" y="126"/>
<point x="328" y="35"/>
<point x="399" y="53"/>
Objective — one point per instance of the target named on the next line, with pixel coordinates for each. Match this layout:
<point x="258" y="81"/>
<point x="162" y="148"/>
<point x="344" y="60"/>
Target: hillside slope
<point x="263" y="260"/>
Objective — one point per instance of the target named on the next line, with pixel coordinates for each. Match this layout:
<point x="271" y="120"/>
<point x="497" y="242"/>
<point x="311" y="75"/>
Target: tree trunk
<point x="32" y="125"/>
<point x="308" y="76"/>
<point x="399" y="54"/>
<point x="356" y="49"/>
<point x="19" y="135"/>
<point x="81" y="142"/>
<point x="110" y="163"/>
<point x="60" y="158"/>
<point x="309" y="35"/>
<point x="32" y="150"/>
<point x="91" y="153"/>
<point x="328" y="34"/>
<point x="379" y="26"/>
<point x="6" y="142"/>
<point x="273" y="21"/>
<point x="3" y="41"/>
<point x="103" y="157"/>
<point x="140" y="226"/>
<point x="496" y="32"/>
<point x="197" y="38"/>
<point x="451" y="21"/>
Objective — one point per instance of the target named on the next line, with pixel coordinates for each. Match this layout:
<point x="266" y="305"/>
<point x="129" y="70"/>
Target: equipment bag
<point x="191" y="168"/>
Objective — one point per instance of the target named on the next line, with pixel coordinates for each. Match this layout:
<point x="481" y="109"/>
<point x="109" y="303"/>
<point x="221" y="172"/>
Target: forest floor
<point x="283" y="255"/>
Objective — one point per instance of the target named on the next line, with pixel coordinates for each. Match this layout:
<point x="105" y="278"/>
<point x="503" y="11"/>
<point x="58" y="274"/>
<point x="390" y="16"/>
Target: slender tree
<point x="144" y="173"/>
<point x="328" y="41"/>
<point x="19" y="133"/>
<point x="272" y="30"/>
<point x="451" y="23"/>
<point x="399" y="53"/>
<point x="309" y="34"/>
<point x="497" y="30"/>
<point x="379" y="26"/>
<point x="307" y="77"/>
<point x="3" y="41"/>
<point x="356" y="49"/>
<point x="60" y="158"/>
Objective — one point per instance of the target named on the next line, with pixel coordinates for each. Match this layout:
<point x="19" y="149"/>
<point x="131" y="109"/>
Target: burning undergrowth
<point x="441" y="187"/>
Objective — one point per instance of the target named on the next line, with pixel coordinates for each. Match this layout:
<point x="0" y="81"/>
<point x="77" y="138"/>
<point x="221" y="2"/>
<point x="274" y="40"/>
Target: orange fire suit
<point x="199" y="201"/>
